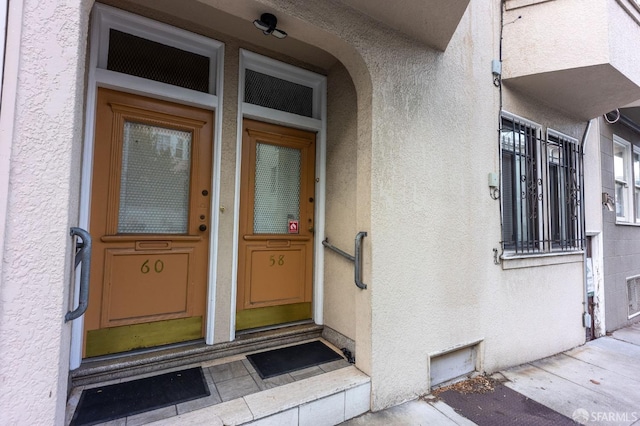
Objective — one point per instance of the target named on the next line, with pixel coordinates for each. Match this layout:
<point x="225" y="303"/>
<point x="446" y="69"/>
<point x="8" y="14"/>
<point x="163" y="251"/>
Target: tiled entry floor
<point x="228" y="379"/>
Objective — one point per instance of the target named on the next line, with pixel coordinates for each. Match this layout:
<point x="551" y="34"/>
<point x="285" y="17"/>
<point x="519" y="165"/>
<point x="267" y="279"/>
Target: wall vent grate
<point x="633" y="292"/>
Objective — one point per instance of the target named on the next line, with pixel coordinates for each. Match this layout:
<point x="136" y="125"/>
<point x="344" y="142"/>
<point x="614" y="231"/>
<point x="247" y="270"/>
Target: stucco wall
<point x="342" y="157"/>
<point x="42" y="205"/>
<point x="434" y="225"/>
<point x="621" y="242"/>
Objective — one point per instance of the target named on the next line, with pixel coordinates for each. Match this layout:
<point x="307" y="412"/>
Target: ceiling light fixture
<point x="267" y="24"/>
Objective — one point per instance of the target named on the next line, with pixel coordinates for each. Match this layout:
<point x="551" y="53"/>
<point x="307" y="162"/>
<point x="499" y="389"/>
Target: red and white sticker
<point x="293" y="226"/>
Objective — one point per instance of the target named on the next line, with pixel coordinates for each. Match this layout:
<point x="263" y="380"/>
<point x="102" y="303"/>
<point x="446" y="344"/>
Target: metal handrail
<point x="82" y="255"/>
<point x="357" y="259"/>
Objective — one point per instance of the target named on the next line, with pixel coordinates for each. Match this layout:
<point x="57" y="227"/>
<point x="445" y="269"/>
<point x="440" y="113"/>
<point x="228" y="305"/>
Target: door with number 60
<point x="149" y="215"/>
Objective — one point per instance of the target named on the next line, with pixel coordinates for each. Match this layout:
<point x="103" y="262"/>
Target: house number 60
<point x="158" y="266"/>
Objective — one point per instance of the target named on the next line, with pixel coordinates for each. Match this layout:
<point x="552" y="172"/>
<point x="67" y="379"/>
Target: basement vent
<point x="633" y="292"/>
<point x="450" y="366"/>
<point x="148" y="59"/>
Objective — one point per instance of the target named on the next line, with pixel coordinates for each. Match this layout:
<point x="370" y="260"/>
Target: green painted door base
<point x="272" y="315"/>
<point x="129" y="337"/>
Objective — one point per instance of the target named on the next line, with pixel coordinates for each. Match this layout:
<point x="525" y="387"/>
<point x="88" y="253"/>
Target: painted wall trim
<point x="215" y="203"/>
<point x="142" y="86"/>
<point x="546" y="259"/>
<point x="4" y="6"/>
<point x="11" y="62"/>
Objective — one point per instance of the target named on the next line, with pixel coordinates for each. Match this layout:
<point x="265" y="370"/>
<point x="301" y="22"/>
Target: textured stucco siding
<point x="339" y="287"/>
<point x="42" y="205"/>
<point x="434" y="225"/>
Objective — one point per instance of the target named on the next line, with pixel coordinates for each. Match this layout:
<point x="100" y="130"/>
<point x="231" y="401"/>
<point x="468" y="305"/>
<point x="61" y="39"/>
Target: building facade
<point x="210" y="161"/>
<point x="618" y="139"/>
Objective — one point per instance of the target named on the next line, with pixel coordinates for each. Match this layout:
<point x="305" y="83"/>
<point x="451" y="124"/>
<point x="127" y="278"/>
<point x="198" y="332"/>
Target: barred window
<point x="541" y="189"/>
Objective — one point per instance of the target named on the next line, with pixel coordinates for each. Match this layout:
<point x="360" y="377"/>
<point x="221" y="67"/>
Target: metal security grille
<point x="154" y="182"/>
<point x="541" y="190"/>
<point x="277" y="188"/>
<point x="275" y="93"/>
<point x="144" y="58"/>
<point x="633" y="292"/>
<point x="564" y="175"/>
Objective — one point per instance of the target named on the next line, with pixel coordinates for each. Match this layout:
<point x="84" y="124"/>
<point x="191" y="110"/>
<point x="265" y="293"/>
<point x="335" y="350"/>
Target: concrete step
<point x="327" y="399"/>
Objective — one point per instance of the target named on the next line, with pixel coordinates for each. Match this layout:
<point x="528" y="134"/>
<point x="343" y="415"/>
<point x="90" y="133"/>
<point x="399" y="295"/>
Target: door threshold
<point x="250" y="331"/>
<point x="119" y="366"/>
<point x="143" y="352"/>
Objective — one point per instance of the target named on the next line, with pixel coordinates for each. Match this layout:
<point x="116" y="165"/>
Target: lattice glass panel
<point x="144" y="58"/>
<point x="154" y="182"/>
<point x="275" y="93"/>
<point x="277" y="189"/>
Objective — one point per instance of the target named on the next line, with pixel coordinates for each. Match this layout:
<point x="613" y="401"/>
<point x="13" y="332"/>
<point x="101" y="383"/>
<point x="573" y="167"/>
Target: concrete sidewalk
<point x="597" y="383"/>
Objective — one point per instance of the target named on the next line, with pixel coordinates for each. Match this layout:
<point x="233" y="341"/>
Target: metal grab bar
<point x="357" y="259"/>
<point x="83" y="255"/>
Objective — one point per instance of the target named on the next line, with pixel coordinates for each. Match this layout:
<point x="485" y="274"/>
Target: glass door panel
<point x="277" y="188"/>
<point x="154" y="182"/>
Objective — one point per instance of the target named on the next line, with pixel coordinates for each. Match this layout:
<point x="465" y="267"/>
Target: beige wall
<point x="342" y="157"/>
<point x="45" y="125"/>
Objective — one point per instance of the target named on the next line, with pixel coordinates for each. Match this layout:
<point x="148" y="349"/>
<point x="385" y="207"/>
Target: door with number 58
<point x="275" y="259"/>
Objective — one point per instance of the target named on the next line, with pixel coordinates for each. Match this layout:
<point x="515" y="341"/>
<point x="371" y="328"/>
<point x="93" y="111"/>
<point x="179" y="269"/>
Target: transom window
<point x="541" y="189"/>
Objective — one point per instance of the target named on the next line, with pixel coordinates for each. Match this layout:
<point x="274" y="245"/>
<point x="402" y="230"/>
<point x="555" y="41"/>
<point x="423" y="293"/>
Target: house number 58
<point x="158" y="266"/>
<point x="279" y="261"/>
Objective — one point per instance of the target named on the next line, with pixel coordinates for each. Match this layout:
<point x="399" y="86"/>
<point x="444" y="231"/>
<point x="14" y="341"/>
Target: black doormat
<point x="503" y="406"/>
<point x="292" y="358"/>
<point x="111" y="402"/>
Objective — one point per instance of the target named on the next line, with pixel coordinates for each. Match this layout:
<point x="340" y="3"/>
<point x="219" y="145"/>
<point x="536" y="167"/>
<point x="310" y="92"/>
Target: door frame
<point x="317" y="123"/>
<point x="104" y="18"/>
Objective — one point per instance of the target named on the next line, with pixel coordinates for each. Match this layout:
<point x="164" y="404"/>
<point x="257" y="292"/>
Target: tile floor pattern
<point x="226" y="382"/>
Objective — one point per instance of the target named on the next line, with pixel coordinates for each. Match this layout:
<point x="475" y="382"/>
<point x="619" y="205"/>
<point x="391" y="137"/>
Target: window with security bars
<point x="541" y="189"/>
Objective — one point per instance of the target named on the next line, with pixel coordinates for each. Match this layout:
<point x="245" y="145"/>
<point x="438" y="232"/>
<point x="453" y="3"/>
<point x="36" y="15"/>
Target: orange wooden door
<point x="150" y="211"/>
<point x="275" y="261"/>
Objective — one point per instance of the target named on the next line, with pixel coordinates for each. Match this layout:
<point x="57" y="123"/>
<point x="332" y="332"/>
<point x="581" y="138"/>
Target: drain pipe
<point x="586" y="317"/>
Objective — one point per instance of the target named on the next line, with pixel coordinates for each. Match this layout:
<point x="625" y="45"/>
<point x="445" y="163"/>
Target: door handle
<point x="202" y="227"/>
<point x="83" y="255"/>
